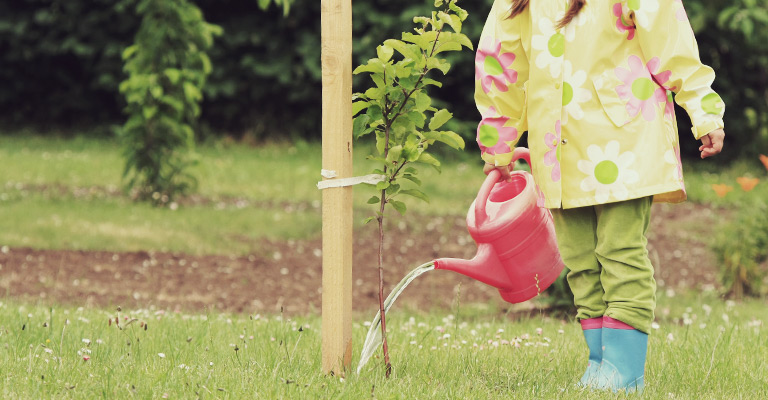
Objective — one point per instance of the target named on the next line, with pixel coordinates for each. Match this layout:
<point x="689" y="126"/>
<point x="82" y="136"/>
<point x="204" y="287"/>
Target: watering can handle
<point x="490" y="181"/>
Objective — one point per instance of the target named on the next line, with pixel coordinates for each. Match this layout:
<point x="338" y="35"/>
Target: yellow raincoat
<point x="595" y="97"/>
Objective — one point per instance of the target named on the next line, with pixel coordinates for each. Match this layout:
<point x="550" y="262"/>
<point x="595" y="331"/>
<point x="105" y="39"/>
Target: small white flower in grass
<point x="504" y="342"/>
<point x="473" y="332"/>
<point x="367" y="323"/>
<point x="730" y="304"/>
<point x="166" y="395"/>
<point x="87" y="341"/>
<point x="446" y="335"/>
<point x="463" y="342"/>
<point x="539" y="331"/>
<point x="726" y="319"/>
<point x="161" y="355"/>
<point x="670" y="292"/>
<point x="413" y="342"/>
<point x="434" y="348"/>
<point x="49" y="351"/>
<point x="560" y="331"/>
<point x="702" y="325"/>
<point x="707" y="309"/>
<point x="546" y="339"/>
<point x="99" y="341"/>
<point x="670" y="337"/>
<point x="687" y="321"/>
<point x="655" y="325"/>
<point x="272" y="339"/>
<point x="500" y="330"/>
<point x="525" y="336"/>
<point x="211" y="363"/>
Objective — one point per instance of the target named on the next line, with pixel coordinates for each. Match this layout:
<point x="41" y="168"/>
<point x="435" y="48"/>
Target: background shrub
<point x="61" y="64"/>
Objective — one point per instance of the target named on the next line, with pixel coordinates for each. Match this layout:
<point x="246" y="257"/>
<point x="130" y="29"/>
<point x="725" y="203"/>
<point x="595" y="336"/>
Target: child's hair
<point x="519" y="6"/>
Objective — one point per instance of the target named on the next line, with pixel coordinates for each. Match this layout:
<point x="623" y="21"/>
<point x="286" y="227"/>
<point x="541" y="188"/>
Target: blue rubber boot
<point x="593" y="332"/>
<point x="624" y="352"/>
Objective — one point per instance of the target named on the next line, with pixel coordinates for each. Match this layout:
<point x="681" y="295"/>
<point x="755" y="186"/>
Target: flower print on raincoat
<point x="617" y="141"/>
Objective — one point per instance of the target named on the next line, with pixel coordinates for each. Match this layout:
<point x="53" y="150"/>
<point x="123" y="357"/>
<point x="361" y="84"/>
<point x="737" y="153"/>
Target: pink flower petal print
<point x="623" y="26"/>
<point x="493" y="67"/>
<point x="550" y="157"/>
<point x="492" y="135"/>
<point x="639" y="89"/>
<point x="662" y="79"/>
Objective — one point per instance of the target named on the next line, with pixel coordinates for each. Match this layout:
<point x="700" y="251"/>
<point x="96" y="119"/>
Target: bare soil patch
<point x="286" y="275"/>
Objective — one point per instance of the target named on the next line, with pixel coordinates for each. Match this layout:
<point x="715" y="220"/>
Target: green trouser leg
<point x="604" y="247"/>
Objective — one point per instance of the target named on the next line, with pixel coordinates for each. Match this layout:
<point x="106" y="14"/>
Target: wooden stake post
<point x="336" y="59"/>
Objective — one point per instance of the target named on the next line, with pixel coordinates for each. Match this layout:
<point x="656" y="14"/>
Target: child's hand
<point x="504" y="169"/>
<point x="712" y="143"/>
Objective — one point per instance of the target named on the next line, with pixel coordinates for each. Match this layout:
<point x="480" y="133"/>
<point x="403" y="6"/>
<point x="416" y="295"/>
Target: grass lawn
<point x="702" y="348"/>
<point x="64" y="193"/>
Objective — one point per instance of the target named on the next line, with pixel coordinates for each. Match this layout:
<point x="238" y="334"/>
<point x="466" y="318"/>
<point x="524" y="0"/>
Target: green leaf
<point x="149" y="111"/>
<point x="439" y="119"/>
<point x="451" y="19"/>
<point x="375" y="93"/>
<point x="418" y="118"/>
<point x="416" y="193"/>
<point x="428" y="81"/>
<point x="412" y="179"/>
<point x="192" y="93"/>
<point x="369" y="219"/>
<point x="423" y="101"/>
<point x="446" y="46"/>
<point x="458" y="10"/>
<point x="393" y="189"/>
<point x="359" y="106"/>
<point x="384" y="52"/>
<point x="408" y="51"/>
<point x="360" y="125"/>
<point x="441" y="64"/>
<point x="399" y="206"/>
<point x="173" y="75"/>
<point x="428" y="159"/>
<point x="374" y="200"/>
<point x="374" y="65"/>
<point x="383" y="185"/>
<point x="394" y="153"/>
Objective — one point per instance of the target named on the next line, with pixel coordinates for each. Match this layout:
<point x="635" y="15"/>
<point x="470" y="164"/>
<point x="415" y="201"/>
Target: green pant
<point x="604" y="247"/>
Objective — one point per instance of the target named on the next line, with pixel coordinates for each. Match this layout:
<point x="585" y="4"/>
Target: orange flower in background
<point x="764" y="159"/>
<point x="747" y="184"/>
<point x="721" y="189"/>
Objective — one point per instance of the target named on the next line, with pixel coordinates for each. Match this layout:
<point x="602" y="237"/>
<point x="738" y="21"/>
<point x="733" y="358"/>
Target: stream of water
<point x="373" y="338"/>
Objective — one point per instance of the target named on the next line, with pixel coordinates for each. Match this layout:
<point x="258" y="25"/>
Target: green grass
<point x="45" y="199"/>
<point x="709" y="349"/>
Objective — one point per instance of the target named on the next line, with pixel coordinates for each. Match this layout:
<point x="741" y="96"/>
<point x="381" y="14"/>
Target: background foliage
<point x="167" y="67"/>
<point x="61" y="63"/>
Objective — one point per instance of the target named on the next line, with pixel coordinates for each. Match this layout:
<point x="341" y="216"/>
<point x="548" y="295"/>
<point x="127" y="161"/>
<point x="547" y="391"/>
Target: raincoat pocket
<point x="616" y="109"/>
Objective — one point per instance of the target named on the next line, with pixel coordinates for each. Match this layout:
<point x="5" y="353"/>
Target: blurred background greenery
<point x="61" y="65"/>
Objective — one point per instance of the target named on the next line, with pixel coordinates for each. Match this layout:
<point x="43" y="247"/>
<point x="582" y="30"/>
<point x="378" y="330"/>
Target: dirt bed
<point x="287" y="275"/>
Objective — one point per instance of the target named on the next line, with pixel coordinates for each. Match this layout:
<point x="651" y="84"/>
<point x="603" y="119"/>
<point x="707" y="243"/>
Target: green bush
<point x="61" y="63"/>
<point x="167" y="68"/>
<point x="740" y="247"/>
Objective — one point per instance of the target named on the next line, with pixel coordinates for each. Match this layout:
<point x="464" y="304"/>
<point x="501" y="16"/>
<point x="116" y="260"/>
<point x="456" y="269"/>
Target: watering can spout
<point x="484" y="267"/>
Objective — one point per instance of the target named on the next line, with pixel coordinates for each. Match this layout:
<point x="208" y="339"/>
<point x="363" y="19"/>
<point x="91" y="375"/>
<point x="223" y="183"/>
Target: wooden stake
<point x="336" y="59"/>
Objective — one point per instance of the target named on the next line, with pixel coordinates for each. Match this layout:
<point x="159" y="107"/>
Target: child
<point x="591" y="82"/>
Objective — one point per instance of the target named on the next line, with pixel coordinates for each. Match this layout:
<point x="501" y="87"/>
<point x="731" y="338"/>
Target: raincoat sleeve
<point x="501" y="70"/>
<point x="668" y="43"/>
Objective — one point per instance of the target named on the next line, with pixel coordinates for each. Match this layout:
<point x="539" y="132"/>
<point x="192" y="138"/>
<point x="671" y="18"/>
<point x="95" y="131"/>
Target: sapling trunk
<point x="384" y="347"/>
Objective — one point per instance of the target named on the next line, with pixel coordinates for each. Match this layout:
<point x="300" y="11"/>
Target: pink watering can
<point x="517" y="249"/>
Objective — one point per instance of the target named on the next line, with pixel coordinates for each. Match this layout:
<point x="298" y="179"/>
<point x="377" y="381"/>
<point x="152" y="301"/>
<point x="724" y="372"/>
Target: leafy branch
<point x="396" y="111"/>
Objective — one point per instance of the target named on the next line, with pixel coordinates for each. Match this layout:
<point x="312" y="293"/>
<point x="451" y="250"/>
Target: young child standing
<point x="592" y="83"/>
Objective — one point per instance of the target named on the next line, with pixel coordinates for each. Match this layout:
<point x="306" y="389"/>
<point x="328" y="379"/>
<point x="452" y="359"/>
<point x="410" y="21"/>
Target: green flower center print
<point x="712" y="104"/>
<point x="606" y="172"/>
<point x="567" y="93"/>
<point x="492" y="66"/>
<point x="556" y="45"/>
<point x="488" y="135"/>
<point x="634" y="4"/>
<point x="643" y="88"/>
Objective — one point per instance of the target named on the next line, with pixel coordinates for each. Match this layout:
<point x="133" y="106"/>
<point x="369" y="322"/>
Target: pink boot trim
<point x="592" y="323"/>
<point x="609" y="322"/>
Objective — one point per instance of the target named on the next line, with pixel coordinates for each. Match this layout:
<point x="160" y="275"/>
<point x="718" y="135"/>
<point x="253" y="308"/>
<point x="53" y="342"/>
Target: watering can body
<point x="517" y="247"/>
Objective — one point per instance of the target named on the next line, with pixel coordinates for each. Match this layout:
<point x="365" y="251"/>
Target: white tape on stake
<point x="356" y="180"/>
